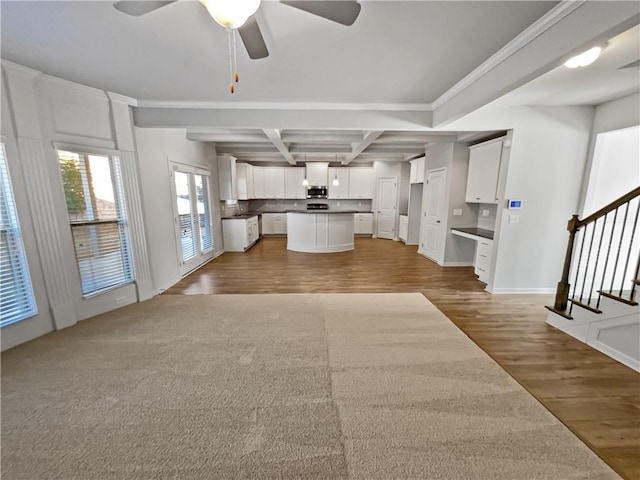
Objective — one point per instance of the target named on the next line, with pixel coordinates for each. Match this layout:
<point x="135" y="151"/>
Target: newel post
<point x="562" y="290"/>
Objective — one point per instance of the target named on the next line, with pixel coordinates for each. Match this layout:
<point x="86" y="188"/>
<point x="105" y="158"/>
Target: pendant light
<point x="336" y="182"/>
<point x="305" y="182"/>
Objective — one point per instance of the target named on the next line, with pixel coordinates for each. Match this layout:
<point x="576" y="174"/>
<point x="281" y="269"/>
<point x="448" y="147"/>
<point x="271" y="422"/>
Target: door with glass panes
<point x="192" y="215"/>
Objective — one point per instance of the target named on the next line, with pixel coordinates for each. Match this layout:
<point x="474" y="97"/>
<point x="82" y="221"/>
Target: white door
<point x="433" y="215"/>
<point x="387" y="199"/>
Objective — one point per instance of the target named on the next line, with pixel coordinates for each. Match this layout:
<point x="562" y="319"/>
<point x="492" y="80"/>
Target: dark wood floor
<point x="596" y="397"/>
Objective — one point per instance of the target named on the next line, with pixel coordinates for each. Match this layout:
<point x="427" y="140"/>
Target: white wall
<point x="156" y="148"/>
<point x="41" y="113"/>
<point x="546" y="167"/>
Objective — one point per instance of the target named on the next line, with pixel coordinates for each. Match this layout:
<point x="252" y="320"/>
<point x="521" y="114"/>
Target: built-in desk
<point x="484" y="248"/>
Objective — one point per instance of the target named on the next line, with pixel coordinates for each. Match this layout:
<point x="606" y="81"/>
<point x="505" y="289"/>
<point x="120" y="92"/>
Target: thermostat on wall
<point x="515" y="204"/>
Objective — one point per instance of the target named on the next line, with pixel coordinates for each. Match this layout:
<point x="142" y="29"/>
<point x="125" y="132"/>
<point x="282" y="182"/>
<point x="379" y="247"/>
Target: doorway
<point x="387" y="207"/>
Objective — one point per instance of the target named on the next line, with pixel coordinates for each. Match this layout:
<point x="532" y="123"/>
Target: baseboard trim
<point x="523" y="291"/>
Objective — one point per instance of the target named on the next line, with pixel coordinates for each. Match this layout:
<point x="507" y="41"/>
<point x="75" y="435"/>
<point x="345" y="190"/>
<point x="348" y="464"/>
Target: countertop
<point x="253" y="214"/>
<point x="475" y="231"/>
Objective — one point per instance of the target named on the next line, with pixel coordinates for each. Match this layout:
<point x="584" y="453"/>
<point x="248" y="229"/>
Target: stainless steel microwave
<point x="316" y="192"/>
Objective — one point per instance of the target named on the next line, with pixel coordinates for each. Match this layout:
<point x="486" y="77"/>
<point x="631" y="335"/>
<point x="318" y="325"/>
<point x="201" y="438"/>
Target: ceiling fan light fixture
<point x="231" y="13"/>
<point x="584" y="59"/>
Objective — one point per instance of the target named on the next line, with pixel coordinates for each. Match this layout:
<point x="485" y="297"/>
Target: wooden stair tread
<point x="562" y="313"/>
<point x="613" y="296"/>
<point x="585" y="306"/>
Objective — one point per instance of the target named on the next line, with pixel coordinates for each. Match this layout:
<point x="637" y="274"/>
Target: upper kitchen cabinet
<point x="244" y="181"/>
<point x="361" y="182"/>
<point x="274" y="182"/>
<point x="258" y="182"/>
<point x="342" y="189"/>
<point x="417" y="171"/>
<point x="227" y="177"/>
<point x="293" y="182"/>
<point x="484" y="168"/>
<point x="318" y="173"/>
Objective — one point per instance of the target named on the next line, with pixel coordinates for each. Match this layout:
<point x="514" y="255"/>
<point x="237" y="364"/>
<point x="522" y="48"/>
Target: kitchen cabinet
<point x="484" y="169"/>
<point x="361" y="182"/>
<point x="363" y="224"/>
<point x="482" y="262"/>
<point x="404" y="228"/>
<point x="293" y="177"/>
<point x="244" y="181"/>
<point x="317" y="173"/>
<point x="258" y="182"/>
<point x="227" y="177"/>
<point x="341" y="190"/>
<point x="274" y="182"/>
<point x="416" y="174"/>
<point x="239" y="234"/>
<point x="274" y="223"/>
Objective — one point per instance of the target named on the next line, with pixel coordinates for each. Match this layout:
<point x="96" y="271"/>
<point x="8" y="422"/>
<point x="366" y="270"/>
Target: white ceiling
<point x="359" y="93"/>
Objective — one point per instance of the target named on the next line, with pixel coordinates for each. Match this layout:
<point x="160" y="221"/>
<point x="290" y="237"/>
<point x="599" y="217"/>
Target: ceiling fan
<point x="344" y="12"/>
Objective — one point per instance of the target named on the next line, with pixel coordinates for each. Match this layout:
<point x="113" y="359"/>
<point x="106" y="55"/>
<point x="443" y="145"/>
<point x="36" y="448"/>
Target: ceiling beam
<point x="275" y="137"/>
<point x="368" y="139"/>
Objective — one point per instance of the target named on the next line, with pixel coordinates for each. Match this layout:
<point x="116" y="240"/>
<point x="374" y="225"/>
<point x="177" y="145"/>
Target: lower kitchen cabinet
<point x="239" y="234"/>
<point x="363" y="224"/>
<point x="482" y="263"/>
<point x="274" y="223"/>
<point x="404" y="228"/>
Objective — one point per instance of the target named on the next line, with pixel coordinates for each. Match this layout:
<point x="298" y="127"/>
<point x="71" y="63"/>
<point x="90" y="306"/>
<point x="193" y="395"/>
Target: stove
<point x="317" y="206"/>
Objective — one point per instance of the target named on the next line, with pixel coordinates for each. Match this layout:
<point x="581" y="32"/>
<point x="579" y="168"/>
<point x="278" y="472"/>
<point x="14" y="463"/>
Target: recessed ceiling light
<point x="584" y="59"/>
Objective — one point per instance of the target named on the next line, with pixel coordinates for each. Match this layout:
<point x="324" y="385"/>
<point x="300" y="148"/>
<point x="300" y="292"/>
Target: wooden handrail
<point x="575" y="224"/>
<point x="609" y="208"/>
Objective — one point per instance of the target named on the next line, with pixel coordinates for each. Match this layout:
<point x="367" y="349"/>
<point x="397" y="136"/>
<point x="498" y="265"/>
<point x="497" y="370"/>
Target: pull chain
<point x="232" y="87"/>
<point x="236" y="77"/>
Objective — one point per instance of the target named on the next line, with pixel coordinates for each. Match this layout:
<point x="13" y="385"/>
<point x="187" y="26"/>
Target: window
<point x="194" y="212"/>
<point x="96" y="208"/>
<point x="16" y="292"/>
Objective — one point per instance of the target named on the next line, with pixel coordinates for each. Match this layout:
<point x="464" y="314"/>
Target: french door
<point x="192" y="215"/>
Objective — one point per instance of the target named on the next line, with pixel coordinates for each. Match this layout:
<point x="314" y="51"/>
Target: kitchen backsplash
<point x="283" y="205"/>
<point x="488" y="222"/>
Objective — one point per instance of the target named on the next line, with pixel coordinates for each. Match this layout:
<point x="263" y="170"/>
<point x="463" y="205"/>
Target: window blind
<point x="97" y="216"/>
<point x="16" y="292"/>
<point x="204" y="212"/>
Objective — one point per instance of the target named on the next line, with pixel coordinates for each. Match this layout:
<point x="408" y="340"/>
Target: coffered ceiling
<point x="380" y="89"/>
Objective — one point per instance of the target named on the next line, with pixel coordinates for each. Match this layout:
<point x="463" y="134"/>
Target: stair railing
<point x="607" y="259"/>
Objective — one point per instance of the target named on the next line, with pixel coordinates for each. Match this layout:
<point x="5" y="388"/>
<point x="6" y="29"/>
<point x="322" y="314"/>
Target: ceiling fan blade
<point x="135" y="8"/>
<point x="253" y="40"/>
<point x="344" y="12"/>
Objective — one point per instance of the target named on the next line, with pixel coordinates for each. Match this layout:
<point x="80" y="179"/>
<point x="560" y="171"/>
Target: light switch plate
<point x="485" y="213"/>
<point x="457" y="211"/>
<point x="514" y="218"/>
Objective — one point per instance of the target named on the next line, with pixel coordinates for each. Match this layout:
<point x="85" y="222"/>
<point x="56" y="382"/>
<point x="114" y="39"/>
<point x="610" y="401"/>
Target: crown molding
<point x="544" y="23"/>
<point x="118" y="98"/>
<point x="20" y="69"/>
<point x="415" y="107"/>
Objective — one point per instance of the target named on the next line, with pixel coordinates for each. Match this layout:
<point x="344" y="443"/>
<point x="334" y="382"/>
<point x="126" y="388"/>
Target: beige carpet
<point x="275" y="386"/>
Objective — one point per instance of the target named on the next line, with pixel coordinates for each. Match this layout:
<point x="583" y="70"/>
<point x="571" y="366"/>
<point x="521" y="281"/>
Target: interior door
<point x="387" y="199"/>
<point x="433" y="215"/>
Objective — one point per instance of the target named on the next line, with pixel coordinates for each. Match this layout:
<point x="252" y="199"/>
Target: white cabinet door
<point x="404" y="228"/>
<point x="258" y="182"/>
<point x="274" y="182"/>
<point x="342" y="189"/>
<point x="243" y="172"/>
<point x="361" y="182"/>
<point x="318" y="173"/>
<point x="484" y="168"/>
<point x="267" y="224"/>
<point x="227" y="177"/>
<point x="363" y="223"/>
<point x="274" y="223"/>
<point x="293" y="183"/>
<point x="239" y="234"/>
<point x="417" y="171"/>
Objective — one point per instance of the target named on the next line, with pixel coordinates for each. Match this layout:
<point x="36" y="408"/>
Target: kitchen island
<point x="320" y="232"/>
